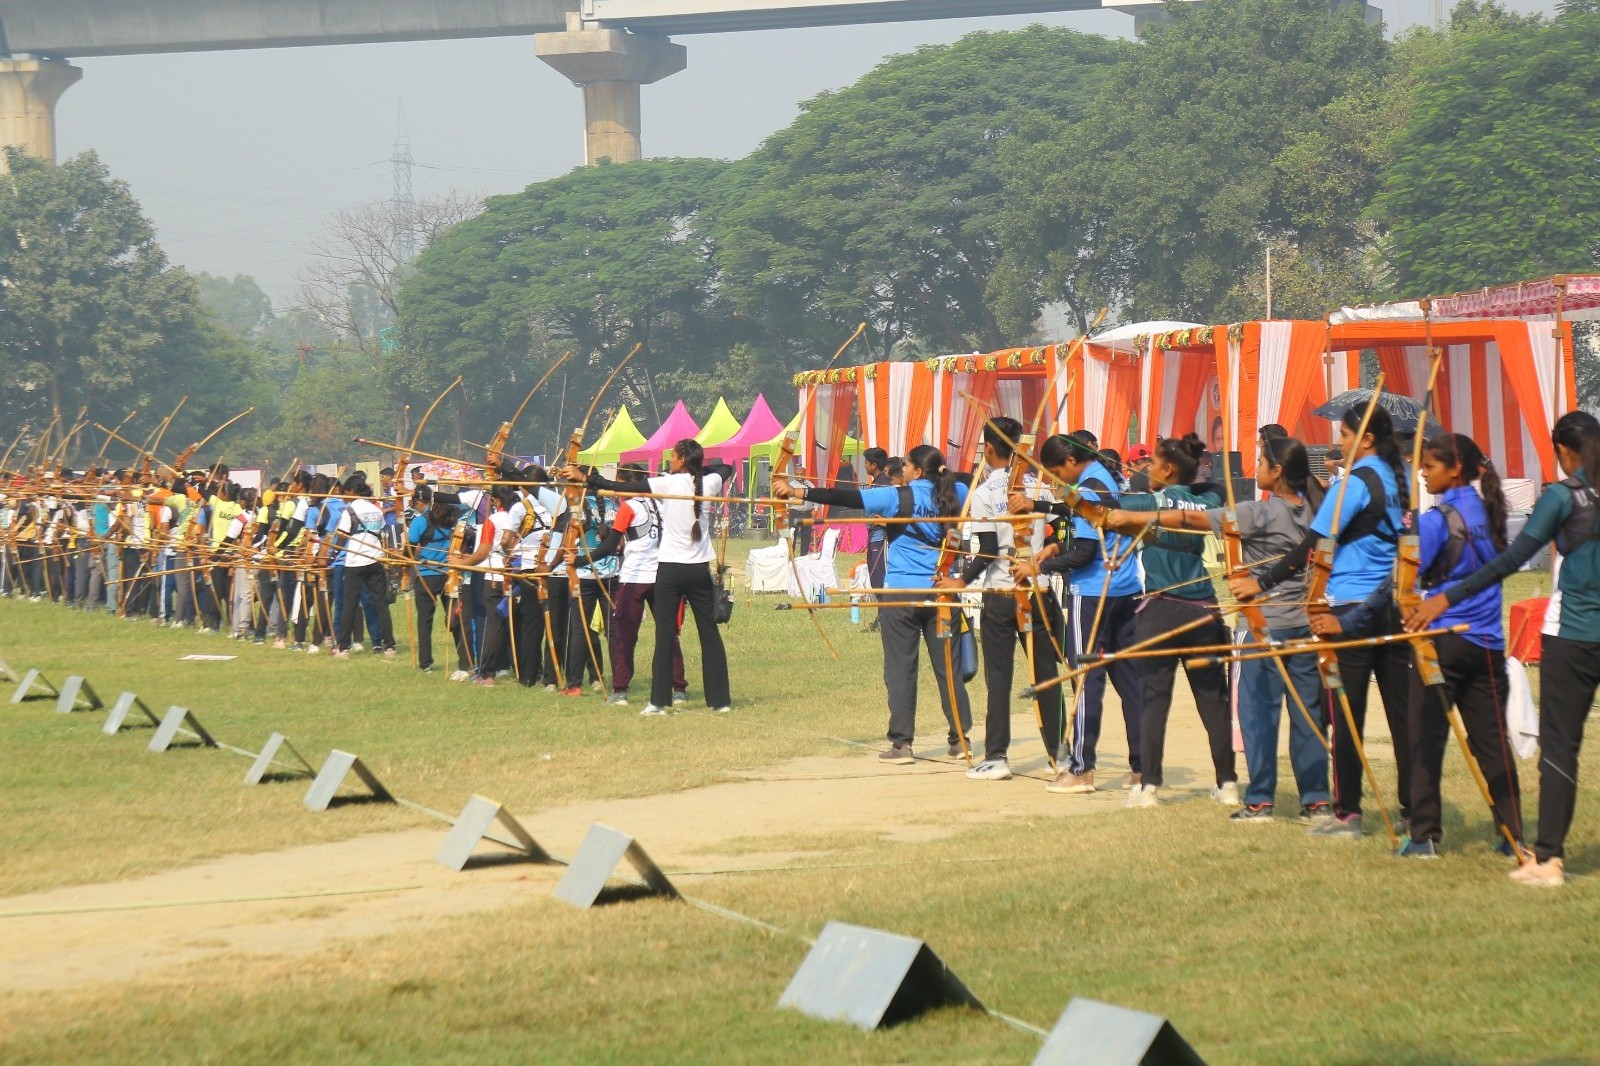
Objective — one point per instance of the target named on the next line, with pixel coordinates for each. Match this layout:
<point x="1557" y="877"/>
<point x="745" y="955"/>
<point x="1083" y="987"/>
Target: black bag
<point x="721" y="598"/>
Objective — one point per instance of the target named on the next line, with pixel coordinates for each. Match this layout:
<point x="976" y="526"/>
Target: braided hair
<point x="693" y="457"/>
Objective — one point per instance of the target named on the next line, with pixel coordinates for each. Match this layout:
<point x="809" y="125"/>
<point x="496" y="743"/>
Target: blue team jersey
<point x="434" y="549"/>
<point x="331" y="512"/>
<point x="1362" y="564"/>
<point x="1480" y="612"/>
<point x="914" y="550"/>
<point x="1090" y="579"/>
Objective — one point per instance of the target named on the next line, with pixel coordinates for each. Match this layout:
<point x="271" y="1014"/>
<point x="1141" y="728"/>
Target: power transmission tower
<point x="405" y="204"/>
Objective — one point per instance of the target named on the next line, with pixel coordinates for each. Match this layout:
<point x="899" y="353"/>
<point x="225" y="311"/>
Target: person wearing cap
<point x="1139" y="468"/>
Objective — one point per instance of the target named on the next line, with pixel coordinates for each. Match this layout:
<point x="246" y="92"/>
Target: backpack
<point x="1373" y="521"/>
<point x="1449" y="557"/>
<point x="1580" y="527"/>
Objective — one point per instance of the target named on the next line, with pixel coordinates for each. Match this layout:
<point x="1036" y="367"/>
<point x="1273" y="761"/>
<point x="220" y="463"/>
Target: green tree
<point x="88" y="301"/>
<point x="238" y="303"/>
<point x="1493" y="176"/>
<point x="593" y="262"/>
<point x="1238" y="123"/>
<point x="880" y="202"/>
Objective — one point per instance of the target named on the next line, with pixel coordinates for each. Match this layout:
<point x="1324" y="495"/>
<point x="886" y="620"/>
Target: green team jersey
<point x="1174" y="562"/>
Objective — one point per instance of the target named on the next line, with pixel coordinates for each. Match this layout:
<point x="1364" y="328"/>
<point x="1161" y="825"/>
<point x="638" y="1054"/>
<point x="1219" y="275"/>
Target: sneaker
<point x="460" y="675"/>
<point x="1227" y="793"/>
<point x="1503" y="847"/>
<point x="595" y="686"/>
<point x="957" y="750"/>
<point x="550" y="687"/>
<point x="206" y="631"/>
<point x="312" y="649"/>
<point x="501" y="675"/>
<point x="280" y="644"/>
<point x="1418" y="849"/>
<point x="991" y="770"/>
<point x="486" y="682"/>
<point x="1132" y="781"/>
<point x="1316" y="813"/>
<point x="390" y="653"/>
<point x="680" y="697"/>
<point x="1068" y="783"/>
<point x="617" y="699"/>
<point x="1346" y="825"/>
<point x="572" y="690"/>
<point x="341" y="655"/>
<point x="652" y="711"/>
<point x="425" y="669"/>
<point x="1547" y="874"/>
<point x="899" y="755"/>
<point x="1141" y="796"/>
<point x="259" y="640"/>
<point x="721" y="710"/>
<point x="1252" y="812"/>
<point x="357" y="647"/>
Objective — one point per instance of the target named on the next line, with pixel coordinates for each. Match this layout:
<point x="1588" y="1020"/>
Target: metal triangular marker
<point x="120" y="711"/>
<point x="872" y="979"/>
<point x="78" y="693"/>
<point x="173" y="723"/>
<point x="1090" y="1033"/>
<point x="602" y="849"/>
<point x="472" y="826"/>
<point x="339" y="763"/>
<point x="31" y="680"/>
<point x="268" y="757"/>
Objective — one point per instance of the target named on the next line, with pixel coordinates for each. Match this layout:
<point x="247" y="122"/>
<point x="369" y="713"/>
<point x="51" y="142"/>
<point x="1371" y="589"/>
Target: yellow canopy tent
<point x="620" y="436"/>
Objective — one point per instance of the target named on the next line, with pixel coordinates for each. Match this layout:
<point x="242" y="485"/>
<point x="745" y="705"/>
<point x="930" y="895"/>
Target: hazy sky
<point x="241" y="157"/>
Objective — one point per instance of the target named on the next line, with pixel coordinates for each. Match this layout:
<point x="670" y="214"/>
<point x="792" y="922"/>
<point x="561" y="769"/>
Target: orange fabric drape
<point x="1306" y="386"/>
<point x="919" y="409"/>
<point x="964" y="437"/>
<point x="1516" y="361"/>
<point x="840" y="408"/>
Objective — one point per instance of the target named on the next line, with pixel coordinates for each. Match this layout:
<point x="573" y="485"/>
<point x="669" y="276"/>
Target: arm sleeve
<point x="1292" y="563"/>
<point x="1084" y="550"/>
<point x="637" y="488"/>
<point x="610" y="544"/>
<point x="836" y="497"/>
<point x="1549" y="514"/>
<point x="988" y="548"/>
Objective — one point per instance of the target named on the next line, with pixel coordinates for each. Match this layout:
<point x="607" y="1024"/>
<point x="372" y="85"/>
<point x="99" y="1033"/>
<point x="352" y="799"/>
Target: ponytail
<point x="1458" y="449"/>
<point x="929" y="463"/>
<point x="1290" y="456"/>
<point x="1183" y="455"/>
<point x="1385" y="447"/>
<point x="1579" y="432"/>
<point x="693" y="456"/>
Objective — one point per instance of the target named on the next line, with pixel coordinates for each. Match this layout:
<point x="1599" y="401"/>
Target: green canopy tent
<point x="620" y="436"/>
<point x="719" y="427"/>
<point x="763" y="455"/>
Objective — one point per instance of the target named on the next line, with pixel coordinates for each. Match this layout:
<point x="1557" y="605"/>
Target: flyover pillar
<point x="29" y="89"/>
<point x="609" y="66"/>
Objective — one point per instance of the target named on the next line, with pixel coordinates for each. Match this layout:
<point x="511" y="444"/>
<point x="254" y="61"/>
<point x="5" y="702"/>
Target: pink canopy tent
<point x="758" y="428"/>
<point x="679" y="424"/>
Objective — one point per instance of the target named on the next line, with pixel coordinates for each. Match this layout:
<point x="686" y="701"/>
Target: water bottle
<point x="855" y="610"/>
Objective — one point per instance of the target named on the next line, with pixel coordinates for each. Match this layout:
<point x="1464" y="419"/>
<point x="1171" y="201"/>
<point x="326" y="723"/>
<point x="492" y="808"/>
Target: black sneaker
<point x="1418" y="849"/>
<point x="956" y="750"/>
<point x="899" y="755"/>
<point x="1252" y="812"/>
<point x="1316" y="813"/>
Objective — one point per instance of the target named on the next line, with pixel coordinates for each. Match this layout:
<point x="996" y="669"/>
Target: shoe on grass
<point x="1252" y="812"/>
<point x="357" y="647"/>
<point x="1070" y="784"/>
<point x="1133" y="780"/>
<point x="652" y="711"/>
<point x="1547" y="874"/>
<point x="680" y="697"/>
<point x="899" y="755"/>
<point x="460" y="675"/>
<point x="617" y="699"/>
<point x="1142" y="796"/>
<point x="1316" y="813"/>
<point x="991" y="770"/>
<point x="1346" y="826"/>
<point x="1226" y="794"/>
<point x="341" y="655"/>
<point x="312" y="649"/>
<point x="280" y="644"/>
<point x="957" y="750"/>
<point x="572" y="690"/>
<point x="721" y="710"/>
<point x="484" y="682"/>
<point x="1418" y="849"/>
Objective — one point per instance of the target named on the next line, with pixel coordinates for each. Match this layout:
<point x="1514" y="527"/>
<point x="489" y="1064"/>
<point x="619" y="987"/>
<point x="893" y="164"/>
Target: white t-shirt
<point x="989" y="503"/>
<point x="526" y="555"/>
<point x="641" y="548"/>
<point x="362" y="522"/>
<point x="494" y="527"/>
<point x="677" y="517"/>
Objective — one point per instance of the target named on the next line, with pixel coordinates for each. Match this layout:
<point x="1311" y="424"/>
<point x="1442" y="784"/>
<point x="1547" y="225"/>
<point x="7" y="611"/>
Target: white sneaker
<point x="1227" y="794"/>
<point x="312" y="649"/>
<point x="206" y="631"/>
<point x="356" y="647"/>
<point x="1141" y="796"/>
<point x="460" y="675"/>
<point x="501" y="675"/>
<point x="652" y="711"/>
<point x="721" y="710"/>
<point x="991" y="770"/>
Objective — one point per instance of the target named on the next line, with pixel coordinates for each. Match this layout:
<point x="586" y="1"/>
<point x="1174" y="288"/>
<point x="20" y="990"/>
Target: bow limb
<point x="780" y="518"/>
<point x="949" y="554"/>
<point x="494" y="451"/>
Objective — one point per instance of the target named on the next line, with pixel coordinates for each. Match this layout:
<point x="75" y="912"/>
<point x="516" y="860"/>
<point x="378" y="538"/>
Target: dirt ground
<point x="300" y="900"/>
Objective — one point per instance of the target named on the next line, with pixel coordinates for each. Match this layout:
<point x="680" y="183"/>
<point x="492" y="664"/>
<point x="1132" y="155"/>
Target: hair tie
<point x="943" y="469"/>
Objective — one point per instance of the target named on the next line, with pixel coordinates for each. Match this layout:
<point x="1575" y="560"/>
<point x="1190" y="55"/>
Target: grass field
<point x="1261" y="945"/>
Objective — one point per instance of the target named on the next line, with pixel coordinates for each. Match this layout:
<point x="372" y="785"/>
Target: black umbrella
<point x="1403" y="410"/>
